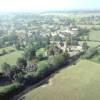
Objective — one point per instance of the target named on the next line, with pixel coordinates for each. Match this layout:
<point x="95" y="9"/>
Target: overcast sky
<point x="42" y="5"/>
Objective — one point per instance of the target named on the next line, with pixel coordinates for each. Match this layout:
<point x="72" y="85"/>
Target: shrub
<point x="90" y="53"/>
<point x="11" y="51"/>
<point x="29" y="53"/>
<point x="57" y="60"/>
<point x="21" y="62"/>
<point x="43" y="68"/>
<point x="9" y="91"/>
<point x="48" y="66"/>
<point x="3" y="52"/>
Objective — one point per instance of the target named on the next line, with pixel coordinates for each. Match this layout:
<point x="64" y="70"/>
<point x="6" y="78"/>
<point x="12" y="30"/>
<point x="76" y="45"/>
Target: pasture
<point x="94" y="35"/>
<point x="90" y="43"/>
<point x="7" y="48"/>
<point x="10" y="58"/>
<point x="77" y="82"/>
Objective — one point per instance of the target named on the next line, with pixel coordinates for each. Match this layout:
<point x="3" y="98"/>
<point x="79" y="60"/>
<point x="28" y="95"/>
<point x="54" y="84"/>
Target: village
<point x="33" y="47"/>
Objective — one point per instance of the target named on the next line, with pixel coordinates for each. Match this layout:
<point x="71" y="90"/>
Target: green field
<point x="94" y="35"/>
<point x="10" y="58"/>
<point x="77" y="82"/>
<point x="96" y="57"/>
<point x="7" y="48"/>
<point x="3" y="88"/>
<point x="90" y="43"/>
<point x="88" y="26"/>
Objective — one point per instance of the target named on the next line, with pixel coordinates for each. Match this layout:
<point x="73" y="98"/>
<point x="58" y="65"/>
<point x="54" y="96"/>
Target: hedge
<point x="10" y="90"/>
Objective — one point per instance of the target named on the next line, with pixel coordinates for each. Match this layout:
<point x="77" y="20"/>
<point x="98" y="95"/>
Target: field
<point x="94" y="35"/>
<point x="7" y="48"/>
<point x="88" y="26"/>
<point x="96" y="57"/>
<point x="77" y="82"/>
<point x="10" y="58"/>
<point x="3" y="88"/>
<point x="91" y="43"/>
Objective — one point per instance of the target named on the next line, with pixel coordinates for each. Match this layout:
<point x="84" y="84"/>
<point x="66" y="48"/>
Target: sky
<point x="44" y="5"/>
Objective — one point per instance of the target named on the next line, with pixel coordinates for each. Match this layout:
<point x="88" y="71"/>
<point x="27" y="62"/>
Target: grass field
<point x="77" y="82"/>
<point x="3" y="88"/>
<point x="88" y="26"/>
<point x="10" y="58"/>
<point x="91" y="43"/>
<point x="7" y="48"/>
<point x="94" y="35"/>
<point x="96" y="57"/>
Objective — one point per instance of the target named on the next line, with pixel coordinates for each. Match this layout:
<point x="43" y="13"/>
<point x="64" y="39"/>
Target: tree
<point x="83" y="31"/>
<point x="57" y="50"/>
<point x="47" y="40"/>
<point x="13" y="38"/>
<point x="4" y="52"/>
<point x="68" y="41"/>
<point x="29" y="53"/>
<point x="90" y="53"/>
<point x="17" y="45"/>
<point x="85" y="46"/>
<point x="66" y="54"/>
<point x="6" y="68"/>
<point x="74" y="42"/>
<point x="61" y="44"/>
<point x="88" y="37"/>
<point x="1" y="42"/>
<point x="40" y="54"/>
<point x="50" y="51"/>
<point x="21" y="62"/>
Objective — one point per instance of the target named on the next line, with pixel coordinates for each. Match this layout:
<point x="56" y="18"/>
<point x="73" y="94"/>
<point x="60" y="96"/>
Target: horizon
<point x="47" y="5"/>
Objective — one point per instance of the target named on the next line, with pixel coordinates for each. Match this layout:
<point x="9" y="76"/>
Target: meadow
<point x="90" y="43"/>
<point x="7" y="48"/>
<point x="10" y="58"/>
<point x="76" y="82"/>
<point x="94" y="35"/>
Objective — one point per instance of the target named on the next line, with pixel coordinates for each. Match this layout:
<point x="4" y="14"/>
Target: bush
<point x="11" y="51"/>
<point x="57" y="60"/>
<point x="43" y="68"/>
<point x="48" y="66"/>
<point x="90" y="53"/>
<point x="39" y="55"/>
<point x="9" y="91"/>
<point x="3" y="52"/>
<point x="31" y="78"/>
<point x="29" y="53"/>
<point x="21" y="62"/>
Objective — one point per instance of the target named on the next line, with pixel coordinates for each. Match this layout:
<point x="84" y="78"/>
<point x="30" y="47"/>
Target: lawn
<point x="10" y="58"/>
<point x="77" y="82"/>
